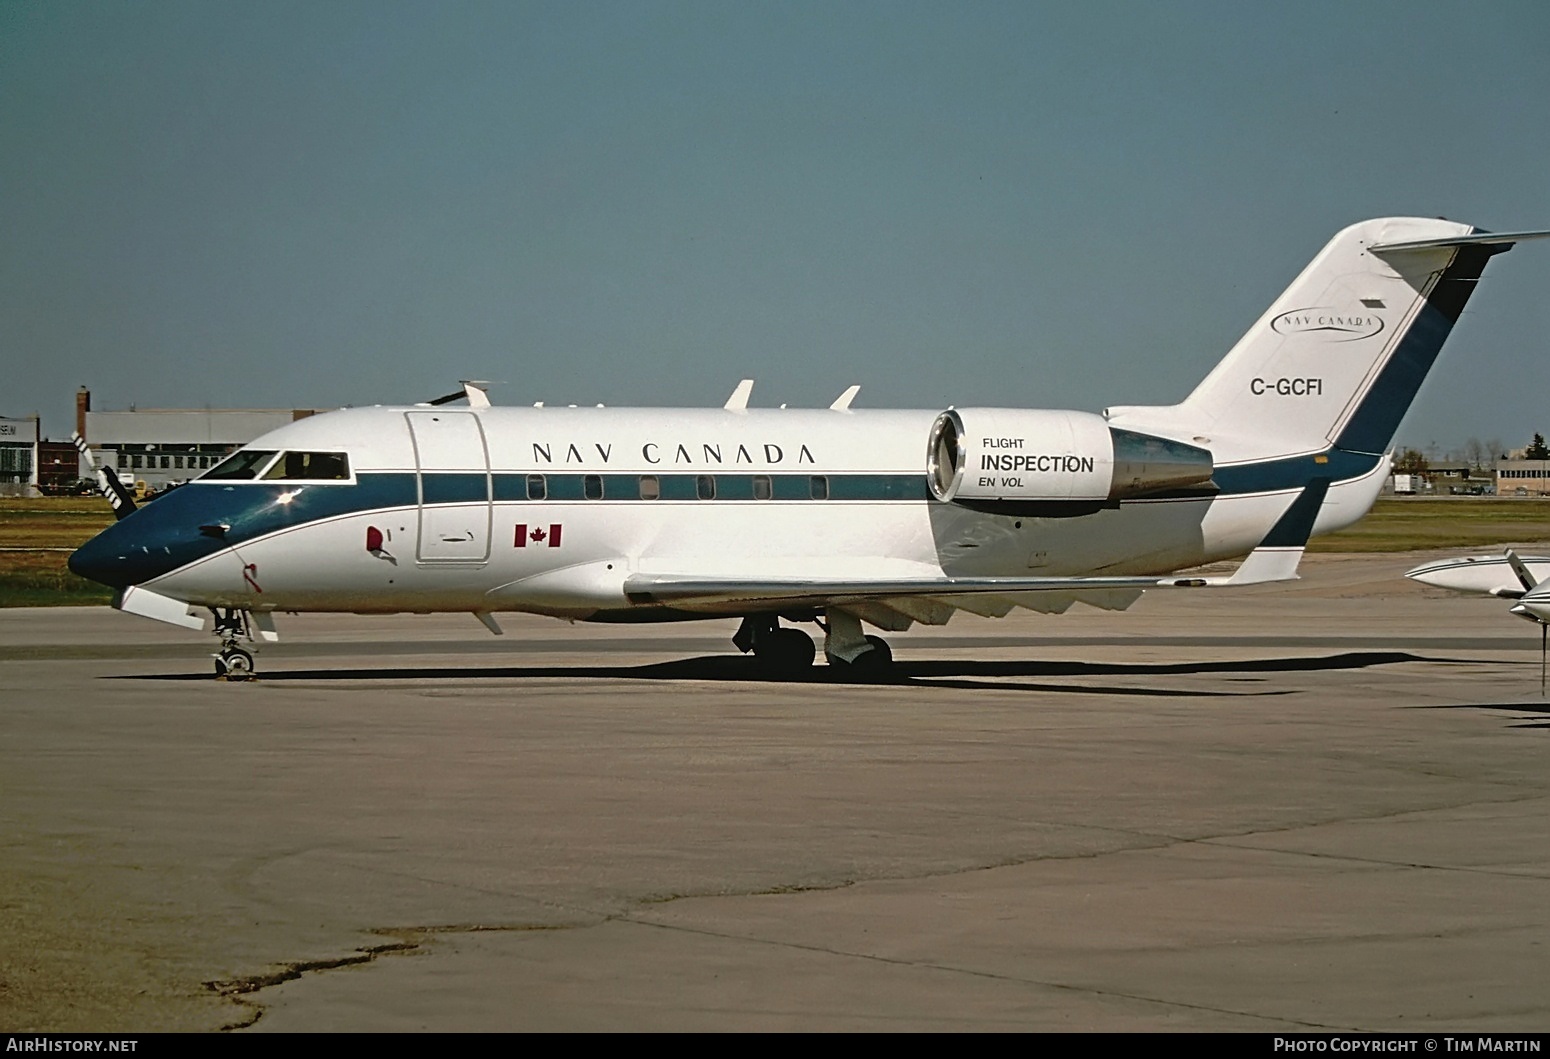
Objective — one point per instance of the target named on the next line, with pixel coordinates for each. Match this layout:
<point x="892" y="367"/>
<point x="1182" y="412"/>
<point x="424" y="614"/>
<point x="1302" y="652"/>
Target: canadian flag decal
<point x="538" y="535"/>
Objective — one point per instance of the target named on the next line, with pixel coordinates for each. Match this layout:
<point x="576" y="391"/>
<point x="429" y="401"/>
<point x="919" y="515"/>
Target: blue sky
<point x="1052" y="205"/>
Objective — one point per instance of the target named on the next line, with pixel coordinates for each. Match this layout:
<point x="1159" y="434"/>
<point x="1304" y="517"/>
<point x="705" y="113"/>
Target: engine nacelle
<point x="1035" y="459"/>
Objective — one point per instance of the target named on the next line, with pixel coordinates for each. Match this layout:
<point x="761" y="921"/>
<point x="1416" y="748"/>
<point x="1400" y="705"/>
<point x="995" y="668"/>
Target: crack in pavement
<point x="414" y="938"/>
<point x="988" y="975"/>
<point x="235" y="989"/>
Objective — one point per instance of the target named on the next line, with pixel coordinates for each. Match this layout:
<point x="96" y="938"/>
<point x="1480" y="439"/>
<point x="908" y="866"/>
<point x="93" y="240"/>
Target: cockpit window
<point x="310" y="466"/>
<point x="240" y="466"/>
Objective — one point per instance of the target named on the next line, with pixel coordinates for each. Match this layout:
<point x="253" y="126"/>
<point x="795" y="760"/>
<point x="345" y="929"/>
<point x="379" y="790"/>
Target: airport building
<point x="151" y="449"/>
<point x="1523" y="478"/>
<point x="19" y="440"/>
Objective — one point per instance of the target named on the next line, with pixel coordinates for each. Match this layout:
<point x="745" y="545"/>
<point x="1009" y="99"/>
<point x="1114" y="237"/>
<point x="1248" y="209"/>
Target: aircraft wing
<point x="1506" y="576"/>
<point x="669" y="588"/>
<point x="932" y="599"/>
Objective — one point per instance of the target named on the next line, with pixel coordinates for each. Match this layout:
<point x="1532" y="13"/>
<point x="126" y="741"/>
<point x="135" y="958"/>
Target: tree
<point x="1410" y="461"/>
<point x="1537" y="451"/>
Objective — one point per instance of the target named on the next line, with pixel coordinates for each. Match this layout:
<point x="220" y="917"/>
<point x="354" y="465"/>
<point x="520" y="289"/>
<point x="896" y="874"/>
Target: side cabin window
<point x="762" y="490"/>
<point x="705" y="486"/>
<point x="650" y="487"/>
<point x="241" y="466"/>
<point x="309" y="467"/>
<point x="537" y="487"/>
<point x="818" y="487"/>
<point x="592" y="486"/>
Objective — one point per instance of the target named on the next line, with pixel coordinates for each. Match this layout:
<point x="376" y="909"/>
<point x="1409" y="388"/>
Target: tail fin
<point x="1339" y="356"/>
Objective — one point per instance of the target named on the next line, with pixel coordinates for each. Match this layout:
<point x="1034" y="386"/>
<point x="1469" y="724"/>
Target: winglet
<point x="842" y="402"/>
<point x="1278" y="555"/>
<point x="1519" y="567"/>
<point x="107" y="481"/>
<point x="739" y="399"/>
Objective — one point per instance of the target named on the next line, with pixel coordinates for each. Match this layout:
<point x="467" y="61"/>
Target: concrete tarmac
<point x="1317" y="806"/>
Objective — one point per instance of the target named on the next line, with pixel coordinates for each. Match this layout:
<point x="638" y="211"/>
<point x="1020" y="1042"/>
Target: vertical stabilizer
<point x="1339" y="356"/>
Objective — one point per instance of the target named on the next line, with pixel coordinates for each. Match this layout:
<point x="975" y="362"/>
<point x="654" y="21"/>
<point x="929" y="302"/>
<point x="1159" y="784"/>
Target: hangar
<point x="155" y="448"/>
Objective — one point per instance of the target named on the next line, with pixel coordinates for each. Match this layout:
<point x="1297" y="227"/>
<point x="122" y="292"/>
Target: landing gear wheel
<point x="234" y="664"/>
<point x="785" y="651"/>
<point x="880" y="654"/>
<point x="873" y="664"/>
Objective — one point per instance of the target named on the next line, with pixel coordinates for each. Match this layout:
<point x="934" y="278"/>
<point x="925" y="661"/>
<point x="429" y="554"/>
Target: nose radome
<point x="97" y="560"/>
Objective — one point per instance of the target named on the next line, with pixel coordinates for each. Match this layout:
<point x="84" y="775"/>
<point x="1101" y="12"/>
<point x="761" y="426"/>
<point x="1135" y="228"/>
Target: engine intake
<point x="1039" y="461"/>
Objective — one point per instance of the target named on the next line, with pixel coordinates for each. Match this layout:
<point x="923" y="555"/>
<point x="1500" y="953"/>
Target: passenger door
<point x="452" y="474"/>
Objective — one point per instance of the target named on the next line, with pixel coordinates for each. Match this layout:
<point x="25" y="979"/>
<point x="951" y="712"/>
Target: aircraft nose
<point x="156" y="539"/>
<point x="100" y="561"/>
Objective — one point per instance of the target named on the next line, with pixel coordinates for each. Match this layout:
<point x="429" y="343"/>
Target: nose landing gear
<point x="233" y="662"/>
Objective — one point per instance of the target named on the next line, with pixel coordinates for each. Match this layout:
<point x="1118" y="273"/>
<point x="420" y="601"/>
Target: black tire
<point x="238" y="664"/>
<point x="880" y="654"/>
<point x="871" y="666"/>
<point x="786" y="651"/>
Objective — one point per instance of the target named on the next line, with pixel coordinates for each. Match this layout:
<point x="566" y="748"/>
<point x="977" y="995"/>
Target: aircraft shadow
<point x="965" y="675"/>
<point x="1542" y="709"/>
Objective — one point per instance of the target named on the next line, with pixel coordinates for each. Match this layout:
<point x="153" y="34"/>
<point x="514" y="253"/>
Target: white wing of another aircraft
<point x="838" y="516"/>
<point x="1522" y="578"/>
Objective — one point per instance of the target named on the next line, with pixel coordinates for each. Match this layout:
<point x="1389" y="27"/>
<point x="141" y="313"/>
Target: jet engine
<point x="1044" y="462"/>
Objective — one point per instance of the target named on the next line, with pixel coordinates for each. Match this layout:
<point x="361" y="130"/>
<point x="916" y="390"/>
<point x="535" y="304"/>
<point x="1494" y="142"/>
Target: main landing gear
<point x="863" y="657"/>
<point x="779" y="651"/>
<point x="788" y="652"/>
<point x="233" y="662"/>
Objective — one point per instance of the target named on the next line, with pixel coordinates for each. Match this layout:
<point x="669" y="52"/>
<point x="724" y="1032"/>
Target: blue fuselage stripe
<point x="1371" y="427"/>
<point x="203" y="518"/>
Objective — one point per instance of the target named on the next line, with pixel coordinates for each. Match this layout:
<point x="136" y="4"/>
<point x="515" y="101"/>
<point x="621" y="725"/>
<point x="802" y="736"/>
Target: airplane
<point x="841" y="517"/>
<point x="1525" y="579"/>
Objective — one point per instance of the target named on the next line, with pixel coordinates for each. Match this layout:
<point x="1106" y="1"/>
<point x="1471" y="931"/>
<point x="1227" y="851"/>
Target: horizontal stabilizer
<point x="1503" y="239"/>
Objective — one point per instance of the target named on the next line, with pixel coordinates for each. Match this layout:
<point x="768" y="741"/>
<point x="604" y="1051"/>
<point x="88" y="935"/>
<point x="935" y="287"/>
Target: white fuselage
<point x="845" y="490"/>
